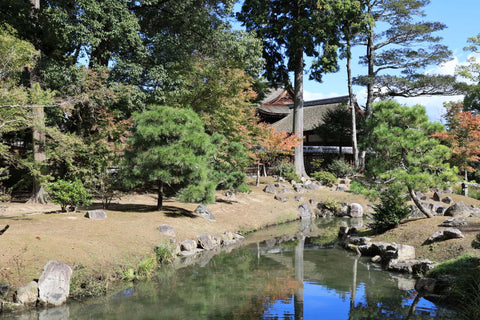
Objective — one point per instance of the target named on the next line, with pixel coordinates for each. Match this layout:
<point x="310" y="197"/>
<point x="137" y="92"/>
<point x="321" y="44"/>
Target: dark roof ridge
<point x="323" y="101"/>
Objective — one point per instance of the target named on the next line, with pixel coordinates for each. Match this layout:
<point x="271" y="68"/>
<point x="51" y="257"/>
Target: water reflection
<point x="298" y="275"/>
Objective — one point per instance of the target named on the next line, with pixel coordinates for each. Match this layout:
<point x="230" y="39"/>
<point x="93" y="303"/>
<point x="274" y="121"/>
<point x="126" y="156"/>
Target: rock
<point x="449" y="233"/>
<point x="54" y="283"/>
<point x="437" y="195"/>
<point x="422" y="266"/>
<point x="166" y="230"/>
<point x="28" y="294"/>
<point x="458" y="209"/>
<point x="205" y="241"/>
<point x="401" y="267"/>
<point x="376" y="259"/>
<point x="440" y="211"/>
<point x="475" y="213"/>
<point x="204" y="212"/>
<point x="426" y="285"/>
<point x="270" y="188"/>
<point x="312" y="186"/>
<point x="4" y="288"/>
<point x="298" y="188"/>
<point x="455" y="222"/>
<point x="238" y="237"/>
<point x="313" y="203"/>
<point x="298" y="198"/>
<point x="231" y="196"/>
<point x="423" y="198"/>
<point x="96" y="214"/>
<point x="447" y="200"/>
<point x="188" y="245"/>
<point x="281" y="198"/>
<point x="355" y="210"/>
<point x="342" y="187"/>
<point x="358" y="241"/>
<point x="304" y="211"/>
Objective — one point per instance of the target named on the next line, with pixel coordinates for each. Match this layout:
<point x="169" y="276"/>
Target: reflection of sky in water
<point x="321" y="302"/>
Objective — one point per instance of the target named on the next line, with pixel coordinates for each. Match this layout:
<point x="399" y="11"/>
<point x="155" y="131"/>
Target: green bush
<point x="340" y="168"/>
<point x="283" y="167"/>
<point x="476" y="242"/>
<point x="332" y="205"/>
<point x="165" y="252"/>
<point x="390" y="211"/>
<point x="68" y="194"/>
<point x="357" y="187"/>
<point x="292" y="176"/>
<point x="325" y="177"/>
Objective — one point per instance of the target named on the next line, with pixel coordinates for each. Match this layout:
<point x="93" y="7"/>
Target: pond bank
<point x="99" y="251"/>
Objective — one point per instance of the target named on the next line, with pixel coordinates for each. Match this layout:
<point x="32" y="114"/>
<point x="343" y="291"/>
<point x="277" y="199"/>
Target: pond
<point x="276" y="278"/>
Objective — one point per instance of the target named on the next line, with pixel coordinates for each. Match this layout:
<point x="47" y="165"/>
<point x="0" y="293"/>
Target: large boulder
<point x="205" y="241"/>
<point x="305" y="212"/>
<point x="270" y="188"/>
<point x="355" y="210"/>
<point x="54" y="283"/>
<point x="455" y="222"/>
<point x="281" y="198"/>
<point x="96" y="215"/>
<point x="28" y="294"/>
<point x="458" y="209"/>
<point x="449" y="233"/>
<point x="188" y="245"/>
<point x="204" y="212"/>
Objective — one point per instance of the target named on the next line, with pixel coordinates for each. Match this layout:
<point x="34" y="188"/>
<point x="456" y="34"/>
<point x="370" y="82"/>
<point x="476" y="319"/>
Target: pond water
<point x="275" y="278"/>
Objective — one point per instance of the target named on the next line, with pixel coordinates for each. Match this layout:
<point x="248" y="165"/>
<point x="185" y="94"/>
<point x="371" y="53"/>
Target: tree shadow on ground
<point x="170" y="211"/>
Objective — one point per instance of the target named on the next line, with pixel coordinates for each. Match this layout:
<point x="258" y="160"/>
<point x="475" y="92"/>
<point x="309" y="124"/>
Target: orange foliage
<point x="265" y="143"/>
<point x="462" y="136"/>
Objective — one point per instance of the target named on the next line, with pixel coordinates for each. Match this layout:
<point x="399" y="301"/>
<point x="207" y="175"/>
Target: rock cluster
<point x="392" y="256"/>
<point x="207" y="241"/>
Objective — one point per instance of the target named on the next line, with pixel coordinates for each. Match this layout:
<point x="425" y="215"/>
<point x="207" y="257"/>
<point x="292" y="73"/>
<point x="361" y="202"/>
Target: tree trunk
<point x="160" y="196"/>
<point x="38" y="132"/>
<point x="371" y="71"/>
<point x="299" y="275"/>
<point x="298" y="113"/>
<point x="419" y="204"/>
<point x="352" y="105"/>
<point x="258" y="174"/>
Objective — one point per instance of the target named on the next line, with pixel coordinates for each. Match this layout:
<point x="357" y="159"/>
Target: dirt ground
<point x="39" y="233"/>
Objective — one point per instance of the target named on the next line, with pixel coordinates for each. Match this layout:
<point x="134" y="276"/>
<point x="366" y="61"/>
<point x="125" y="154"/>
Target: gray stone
<point x="422" y="266"/>
<point x="342" y="187"/>
<point x="376" y="259"/>
<point x="312" y="186"/>
<point x="401" y="267"/>
<point x="4" y="288"/>
<point x="28" y="294"/>
<point x="437" y="195"/>
<point x="270" y="188"/>
<point x="455" y="222"/>
<point x="205" y="241"/>
<point x="238" y="237"/>
<point x="440" y="211"/>
<point x="304" y="211"/>
<point x="281" y="198"/>
<point x="96" y="214"/>
<point x="458" y="209"/>
<point x="449" y="233"/>
<point x="426" y="285"/>
<point x="166" y="230"/>
<point x="298" y="198"/>
<point x="188" y="245"/>
<point x="355" y="210"/>
<point x="358" y="241"/>
<point x="447" y="200"/>
<point x="298" y="188"/>
<point x="54" y="283"/>
<point x="204" y="212"/>
<point x="475" y="213"/>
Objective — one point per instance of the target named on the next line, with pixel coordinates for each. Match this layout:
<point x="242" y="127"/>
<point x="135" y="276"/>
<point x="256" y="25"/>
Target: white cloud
<point x="308" y="96"/>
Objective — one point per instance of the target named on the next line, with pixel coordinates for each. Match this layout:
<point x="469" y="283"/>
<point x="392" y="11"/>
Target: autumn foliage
<point x="462" y="136"/>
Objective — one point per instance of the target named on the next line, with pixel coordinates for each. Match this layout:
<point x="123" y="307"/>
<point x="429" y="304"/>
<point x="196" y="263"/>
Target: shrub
<point x="292" y="176"/>
<point x="283" y="167"/>
<point x="476" y="242"/>
<point x="340" y="168"/>
<point x="390" y="211"/>
<point x="357" y="187"/>
<point x="332" y="205"/>
<point x="69" y="194"/>
<point x="165" y="253"/>
<point x="326" y="178"/>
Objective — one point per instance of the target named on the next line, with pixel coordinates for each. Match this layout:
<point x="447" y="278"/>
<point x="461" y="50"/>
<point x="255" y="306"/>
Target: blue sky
<point x="462" y="18"/>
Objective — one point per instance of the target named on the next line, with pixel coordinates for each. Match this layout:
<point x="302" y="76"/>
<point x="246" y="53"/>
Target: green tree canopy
<point x="169" y="148"/>
<point x="404" y="155"/>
